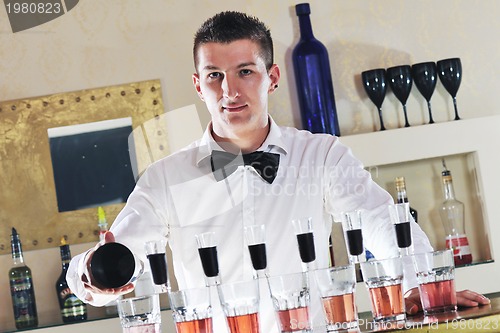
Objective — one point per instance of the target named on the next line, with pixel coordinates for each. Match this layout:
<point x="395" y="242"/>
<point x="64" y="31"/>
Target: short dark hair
<point x="230" y="26"/>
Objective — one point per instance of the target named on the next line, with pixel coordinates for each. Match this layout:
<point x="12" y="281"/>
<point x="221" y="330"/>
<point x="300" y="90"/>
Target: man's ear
<point x="274" y="75"/>
<point x="196" y="83"/>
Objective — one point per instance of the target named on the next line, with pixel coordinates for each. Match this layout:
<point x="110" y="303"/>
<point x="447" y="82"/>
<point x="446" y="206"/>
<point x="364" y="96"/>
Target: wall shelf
<point x="471" y="146"/>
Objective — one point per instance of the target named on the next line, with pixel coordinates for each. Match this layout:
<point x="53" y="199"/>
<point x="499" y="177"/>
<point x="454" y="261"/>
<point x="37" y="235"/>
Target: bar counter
<point x="484" y="318"/>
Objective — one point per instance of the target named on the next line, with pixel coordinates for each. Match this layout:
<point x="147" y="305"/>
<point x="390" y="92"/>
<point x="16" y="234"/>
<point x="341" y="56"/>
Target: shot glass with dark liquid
<point x="400" y="217"/>
<point x="305" y="239"/>
<point x="255" y="236"/>
<point x="155" y="252"/>
<point x="207" y="248"/>
<point x="351" y="223"/>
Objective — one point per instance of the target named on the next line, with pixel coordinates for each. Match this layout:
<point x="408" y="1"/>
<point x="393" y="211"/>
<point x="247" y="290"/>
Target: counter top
<point x="484" y="318"/>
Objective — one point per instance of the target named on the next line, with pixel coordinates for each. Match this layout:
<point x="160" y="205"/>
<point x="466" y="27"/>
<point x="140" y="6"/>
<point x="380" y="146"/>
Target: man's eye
<point x="245" y="72"/>
<point x="214" y="75"/>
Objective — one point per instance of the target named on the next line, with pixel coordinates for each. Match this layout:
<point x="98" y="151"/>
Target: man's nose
<point x="230" y="87"/>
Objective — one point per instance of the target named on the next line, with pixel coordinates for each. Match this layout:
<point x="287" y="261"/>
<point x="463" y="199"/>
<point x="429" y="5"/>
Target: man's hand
<point x="465" y="298"/>
<point x="89" y="283"/>
<point x="412" y="301"/>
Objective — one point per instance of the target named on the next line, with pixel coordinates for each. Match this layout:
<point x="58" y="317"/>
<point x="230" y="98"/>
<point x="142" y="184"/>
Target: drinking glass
<point x="240" y="302"/>
<point x="291" y="300"/>
<point x="140" y="314"/>
<point x="305" y="238"/>
<point x="424" y="76"/>
<point x="375" y="87"/>
<point x="436" y="281"/>
<point x="400" y="81"/>
<point x="351" y="223"/>
<point x="384" y="278"/>
<point x="255" y="236"/>
<point x="336" y="287"/>
<point x="450" y="73"/>
<point x="191" y="310"/>
<point x="400" y="217"/>
<point x="207" y="249"/>
<point x="155" y="252"/>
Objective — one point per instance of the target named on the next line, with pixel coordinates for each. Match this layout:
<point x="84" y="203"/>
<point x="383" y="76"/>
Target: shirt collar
<point x="272" y="143"/>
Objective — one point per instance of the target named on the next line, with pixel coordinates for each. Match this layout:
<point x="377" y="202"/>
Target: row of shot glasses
<point x="291" y="293"/>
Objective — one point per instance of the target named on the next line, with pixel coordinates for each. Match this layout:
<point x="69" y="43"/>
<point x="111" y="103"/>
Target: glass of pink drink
<point x="384" y="278"/>
<point x="436" y="279"/>
<point x="191" y="310"/>
<point x="140" y="314"/>
<point x="291" y="300"/>
<point x="240" y="302"/>
<point x="336" y="287"/>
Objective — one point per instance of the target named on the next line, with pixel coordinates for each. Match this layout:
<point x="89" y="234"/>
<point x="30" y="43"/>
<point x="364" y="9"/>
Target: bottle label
<point x="459" y="244"/>
<point x="72" y="306"/>
<point x="23" y="299"/>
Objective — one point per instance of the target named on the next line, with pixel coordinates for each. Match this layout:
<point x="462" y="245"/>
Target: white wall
<point x="100" y="43"/>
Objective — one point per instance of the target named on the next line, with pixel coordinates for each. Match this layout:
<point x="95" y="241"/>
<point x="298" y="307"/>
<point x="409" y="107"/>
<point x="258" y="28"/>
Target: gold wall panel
<point x="27" y="190"/>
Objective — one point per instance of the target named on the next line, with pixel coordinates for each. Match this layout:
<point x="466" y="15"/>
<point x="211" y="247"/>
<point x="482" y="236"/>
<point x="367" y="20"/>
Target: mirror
<point x="91" y="163"/>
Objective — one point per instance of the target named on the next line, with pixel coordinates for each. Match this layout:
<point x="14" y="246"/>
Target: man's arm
<point x="143" y="218"/>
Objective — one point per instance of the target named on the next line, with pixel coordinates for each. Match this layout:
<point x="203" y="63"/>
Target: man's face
<point x="233" y="82"/>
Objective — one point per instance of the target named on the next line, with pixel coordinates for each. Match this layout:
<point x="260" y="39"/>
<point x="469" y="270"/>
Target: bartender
<point x="295" y="174"/>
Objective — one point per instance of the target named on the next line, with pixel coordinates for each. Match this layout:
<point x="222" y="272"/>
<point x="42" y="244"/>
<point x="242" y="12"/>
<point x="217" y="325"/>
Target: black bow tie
<point x="224" y="164"/>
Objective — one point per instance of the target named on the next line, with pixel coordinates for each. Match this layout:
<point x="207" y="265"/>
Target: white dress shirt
<point x="178" y="197"/>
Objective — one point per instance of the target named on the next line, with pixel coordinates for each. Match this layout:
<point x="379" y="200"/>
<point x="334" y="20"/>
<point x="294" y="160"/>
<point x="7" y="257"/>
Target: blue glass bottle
<point x="313" y="78"/>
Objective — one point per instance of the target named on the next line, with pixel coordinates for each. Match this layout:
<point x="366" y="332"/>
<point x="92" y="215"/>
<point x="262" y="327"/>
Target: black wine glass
<point x="450" y="73"/>
<point x="424" y="76"/>
<point x="400" y="81"/>
<point x="375" y="86"/>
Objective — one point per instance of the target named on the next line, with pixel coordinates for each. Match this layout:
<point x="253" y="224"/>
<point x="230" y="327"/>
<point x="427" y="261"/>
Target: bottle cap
<point x="446" y="176"/>
<point x="14" y="236"/>
<point x="112" y="265"/>
<point x="302" y="9"/>
<point x="445" y="172"/>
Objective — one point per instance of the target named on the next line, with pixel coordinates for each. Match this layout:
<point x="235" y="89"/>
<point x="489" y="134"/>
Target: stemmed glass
<point x="400" y="217"/>
<point x="400" y="81"/>
<point x="305" y="238"/>
<point x="450" y="73"/>
<point x="155" y="252"/>
<point x="424" y="76"/>
<point x="207" y="249"/>
<point x="256" y="241"/>
<point x="375" y="86"/>
<point x="351" y="223"/>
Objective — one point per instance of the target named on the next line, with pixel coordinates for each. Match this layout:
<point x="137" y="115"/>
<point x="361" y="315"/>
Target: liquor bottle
<point x="402" y="197"/>
<point x="21" y="287"/>
<point x="313" y="79"/>
<point x="72" y="308"/>
<point x="452" y="216"/>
